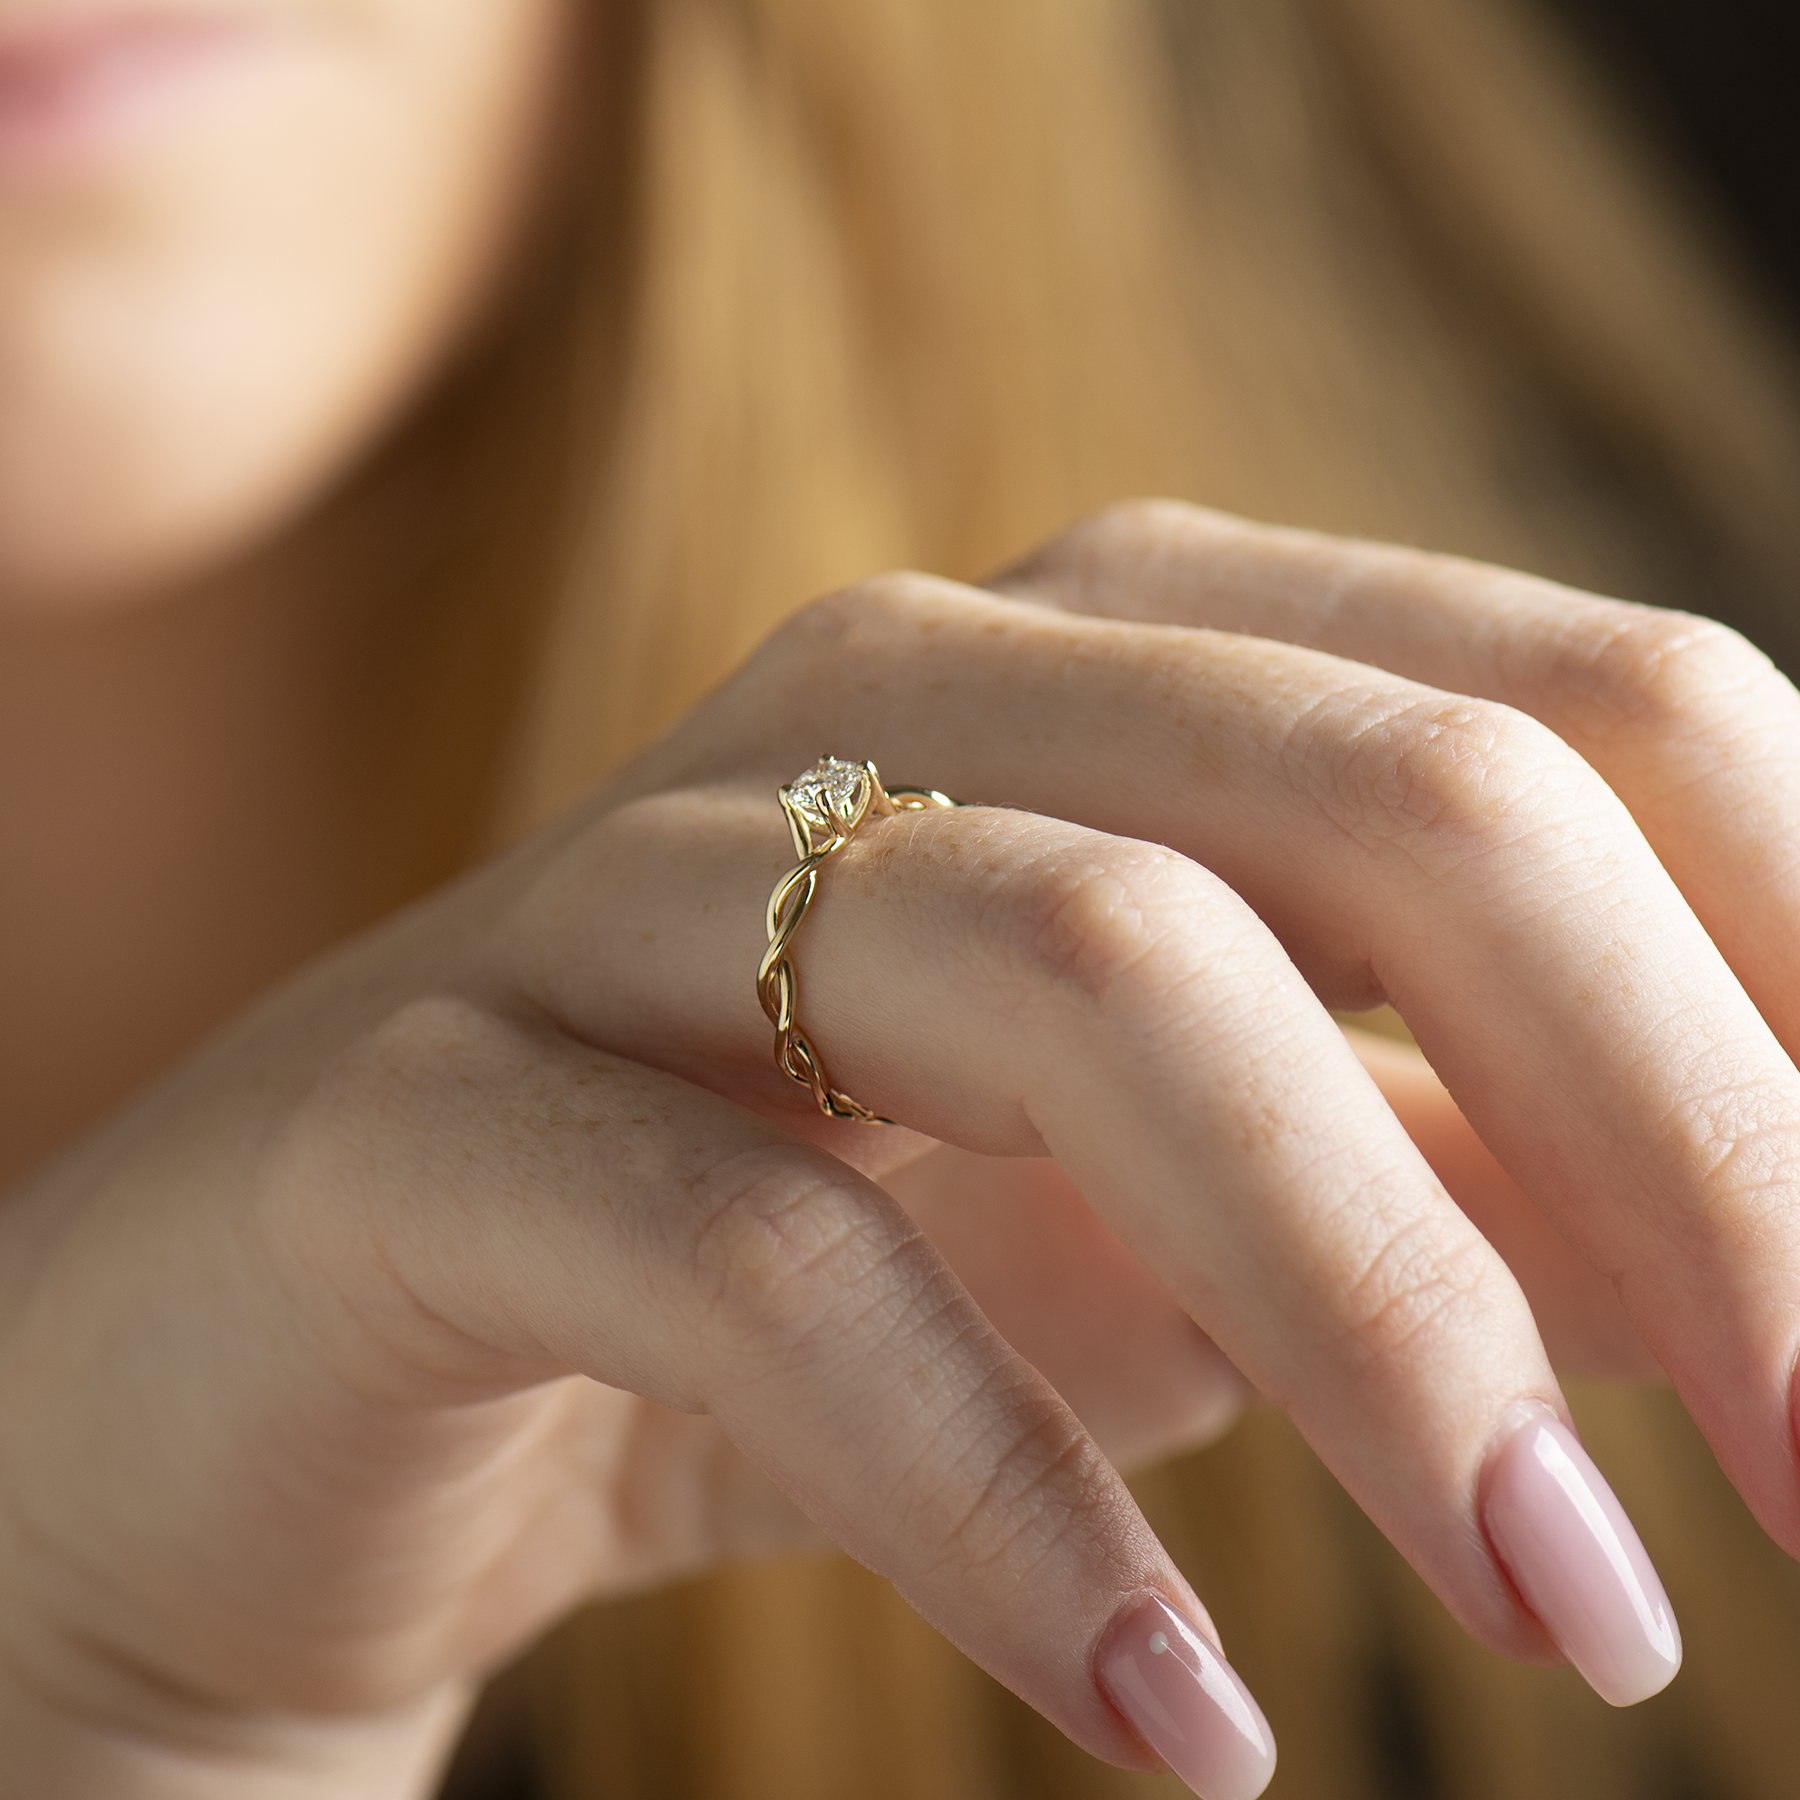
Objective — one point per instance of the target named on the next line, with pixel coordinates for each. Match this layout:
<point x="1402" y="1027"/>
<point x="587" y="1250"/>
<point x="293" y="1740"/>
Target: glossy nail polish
<point x="1184" y="1700"/>
<point x="1573" y="1553"/>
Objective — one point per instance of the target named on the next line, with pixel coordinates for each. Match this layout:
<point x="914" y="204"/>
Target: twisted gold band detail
<point x="825" y="808"/>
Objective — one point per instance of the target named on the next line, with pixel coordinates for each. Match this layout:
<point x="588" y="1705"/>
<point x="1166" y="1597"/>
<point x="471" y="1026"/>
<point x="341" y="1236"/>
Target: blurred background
<point x="1713" y="94"/>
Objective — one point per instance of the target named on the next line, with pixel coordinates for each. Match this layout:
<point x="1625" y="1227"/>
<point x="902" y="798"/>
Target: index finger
<point x="501" y="1204"/>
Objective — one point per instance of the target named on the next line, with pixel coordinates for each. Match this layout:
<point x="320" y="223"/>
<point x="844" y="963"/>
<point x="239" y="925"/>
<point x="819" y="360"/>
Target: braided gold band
<point x="825" y="809"/>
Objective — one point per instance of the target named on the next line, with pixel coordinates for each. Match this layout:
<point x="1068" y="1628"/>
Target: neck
<point x="180" y="822"/>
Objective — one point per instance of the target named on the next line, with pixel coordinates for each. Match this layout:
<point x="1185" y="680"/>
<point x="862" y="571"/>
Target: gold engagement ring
<point x="825" y="808"/>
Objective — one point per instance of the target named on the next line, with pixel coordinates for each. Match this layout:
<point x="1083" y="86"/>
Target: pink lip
<point x="77" y="83"/>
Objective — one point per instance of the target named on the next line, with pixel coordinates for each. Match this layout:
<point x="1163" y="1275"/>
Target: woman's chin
<point x="50" y="582"/>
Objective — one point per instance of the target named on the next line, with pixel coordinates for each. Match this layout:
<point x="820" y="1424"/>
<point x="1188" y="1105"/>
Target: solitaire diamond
<point x="828" y="783"/>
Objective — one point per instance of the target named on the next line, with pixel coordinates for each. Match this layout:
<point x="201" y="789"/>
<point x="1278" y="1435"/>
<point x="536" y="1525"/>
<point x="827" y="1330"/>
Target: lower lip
<point x="74" y="94"/>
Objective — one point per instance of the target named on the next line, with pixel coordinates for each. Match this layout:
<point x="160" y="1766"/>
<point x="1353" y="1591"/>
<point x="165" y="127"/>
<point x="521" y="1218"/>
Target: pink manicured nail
<point x="1568" y="1544"/>
<point x="1185" y="1701"/>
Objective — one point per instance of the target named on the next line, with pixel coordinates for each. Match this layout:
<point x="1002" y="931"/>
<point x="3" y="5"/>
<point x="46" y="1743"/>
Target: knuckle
<point x="858" y="636"/>
<point x="1414" y="1290"/>
<point x="1453" y="776"/>
<point x="1043" y="1486"/>
<point x="375" y="1151"/>
<point x="838" y="621"/>
<point x="781" y="1256"/>
<point x="1730" y="1163"/>
<point x="1130" y="522"/>
<point x="1124" y="528"/>
<point x="418" y="1056"/>
<point x="1087" y="926"/>
<point x="364" y="1167"/>
<point x="1662" y="672"/>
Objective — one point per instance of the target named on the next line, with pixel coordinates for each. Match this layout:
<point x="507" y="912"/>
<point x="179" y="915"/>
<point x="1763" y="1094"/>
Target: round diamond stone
<point x="829" y="783"/>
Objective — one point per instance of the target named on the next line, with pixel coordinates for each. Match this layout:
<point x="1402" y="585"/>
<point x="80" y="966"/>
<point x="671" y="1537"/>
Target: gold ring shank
<point x="825" y="809"/>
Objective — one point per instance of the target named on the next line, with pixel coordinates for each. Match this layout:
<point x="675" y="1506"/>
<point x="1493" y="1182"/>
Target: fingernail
<point x="1566" y="1541"/>
<point x="1185" y="1701"/>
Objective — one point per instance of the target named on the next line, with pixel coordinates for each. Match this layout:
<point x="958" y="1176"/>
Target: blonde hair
<point x="835" y="288"/>
<point x="844" y="286"/>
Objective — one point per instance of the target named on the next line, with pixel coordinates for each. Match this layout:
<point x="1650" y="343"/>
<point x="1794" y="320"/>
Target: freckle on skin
<point x="1265" y="1131"/>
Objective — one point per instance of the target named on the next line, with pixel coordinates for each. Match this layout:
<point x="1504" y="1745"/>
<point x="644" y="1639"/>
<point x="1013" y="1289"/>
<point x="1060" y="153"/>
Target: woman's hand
<point x="292" y="1449"/>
